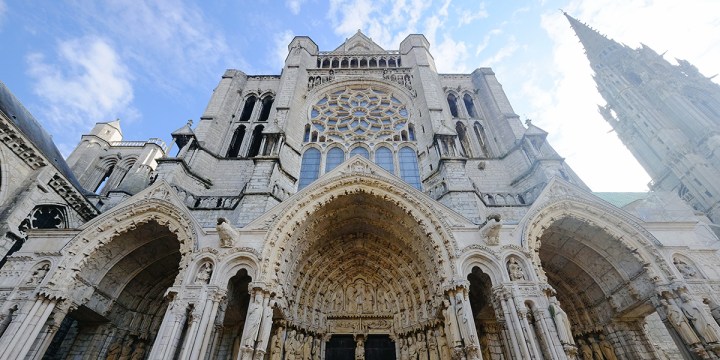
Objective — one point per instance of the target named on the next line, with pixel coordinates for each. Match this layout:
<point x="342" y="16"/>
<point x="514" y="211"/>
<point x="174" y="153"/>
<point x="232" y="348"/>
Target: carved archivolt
<point x="104" y="229"/>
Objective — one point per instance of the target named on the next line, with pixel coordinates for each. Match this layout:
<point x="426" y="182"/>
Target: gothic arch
<point x="323" y="211"/>
<point x="486" y="260"/>
<point x="103" y="230"/>
<point x="234" y="262"/>
<point x="403" y="93"/>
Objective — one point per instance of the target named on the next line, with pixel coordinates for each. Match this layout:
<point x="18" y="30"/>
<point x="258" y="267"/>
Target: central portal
<point x="376" y="347"/>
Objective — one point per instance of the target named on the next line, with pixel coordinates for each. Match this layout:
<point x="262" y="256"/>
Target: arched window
<point x="306" y="137"/>
<point x="452" y="103"/>
<point x="334" y="158"/>
<point x="266" y="106"/>
<point x="462" y="136"/>
<point x="409" y="167"/>
<point x="256" y="141"/>
<point x="309" y="168"/>
<point x="384" y="158"/>
<point x="248" y="108"/>
<point x="360" y="151"/>
<point x="470" y="106"/>
<point x="411" y="131"/>
<point x="101" y="184"/>
<point x="237" y="139"/>
<point x="480" y="135"/>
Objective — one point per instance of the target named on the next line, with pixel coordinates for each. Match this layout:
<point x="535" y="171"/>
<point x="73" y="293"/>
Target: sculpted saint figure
<point x="307" y="348"/>
<point x="422" y="347"/>
<point x="139" y="353"/>
<point x="695" y="312"/>
<point x="204" y="274"/>
<point x="252" y="324"/>
<point x="714" y="309"/>
<point x="226" y="232"/>
<point x="360" y="349"/>
<point x="114" y="350"/>
<point x="432" y="346"/>
<point x="686" y="270"/>
<point x="39" y="274"/>
<point x="360" y="298"/>
<point x="290" y="345"/>
<point x="585" y="350"/>
<point x="404" y="350"/>
<point x="317" y="349"/>
<point x="562" y="323"/>
<point x="276" y="351"/>
<point x="597" y="352"/>
<point x="351" y="304"/>
<point x="515" y="270"/>
<point x="298" y="348"/>
<point x="451" y="326"/>
<point x="339" y="300"/>
<point x="412" y="348"/>
<point x="607" y="348"/>
<point x="126" y="351"/>
<point x="443" y="344"/>
<point x="677" y="319"/>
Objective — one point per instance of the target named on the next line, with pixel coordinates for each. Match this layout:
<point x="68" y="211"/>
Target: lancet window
<point x="309" y="168"/>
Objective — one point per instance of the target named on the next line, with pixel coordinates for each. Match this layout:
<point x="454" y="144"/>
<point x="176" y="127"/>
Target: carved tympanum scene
<point x="358" y="206"/>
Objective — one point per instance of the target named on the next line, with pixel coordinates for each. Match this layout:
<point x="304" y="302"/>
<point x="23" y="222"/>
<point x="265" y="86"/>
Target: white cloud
<point x="294" y="5"/>
<point x="87" y="83"/>
<point x="503" y="53"/>
<point x="468" y="16"/>
<point x="281" y="41"/>
<point x="3" y="10"/>
<point x="451" y="56"/>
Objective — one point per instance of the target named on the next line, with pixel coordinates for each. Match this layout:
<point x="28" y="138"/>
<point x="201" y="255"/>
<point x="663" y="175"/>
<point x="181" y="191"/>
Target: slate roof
<point x="34" y="132"/>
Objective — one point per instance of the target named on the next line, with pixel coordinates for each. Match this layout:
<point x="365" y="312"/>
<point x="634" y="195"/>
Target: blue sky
<point x="154" y="64"/>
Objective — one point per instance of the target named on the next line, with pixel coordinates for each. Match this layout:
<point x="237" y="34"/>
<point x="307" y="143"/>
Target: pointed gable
<point x="358" y="44"/>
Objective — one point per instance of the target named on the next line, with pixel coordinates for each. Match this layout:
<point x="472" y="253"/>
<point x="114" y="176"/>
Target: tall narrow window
<point x="248" y="108"/>
<point x="384" y="158"/>
<point x="452" y="103"/>
<point x="480" y="135"/>
<point x="411" y="131"/>
<point x="470" y="106"/>
<point x="409" y="167"/>
<point x="360" y="151"/>
<point x="256" y="141"/>
<point x="237" y="139"/>
<point x="266" y="106"/>
<point x="309" y="168"/>
<point x="334" y="158"/>
<point x="101" y="185"/>
<point x="462" y="136"/>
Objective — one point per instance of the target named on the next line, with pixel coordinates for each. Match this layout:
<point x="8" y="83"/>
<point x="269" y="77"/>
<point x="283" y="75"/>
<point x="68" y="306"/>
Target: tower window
<point x="256" y="141"/>
<point x="384" y="158"/>
<point x="248" y="108"/>
<point x="334" y="158"/>
<point x="409" y="167"/>
<point x="470" y="106"/>
<point x="237" y="139"/>
<point x="266" y="106"/>
<point x="452" y="103"/>
<point x="309" y="167"/>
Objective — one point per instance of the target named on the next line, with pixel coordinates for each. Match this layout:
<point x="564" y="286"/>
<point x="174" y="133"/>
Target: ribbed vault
<point x="361" y="255"/>
<point x="593" y="272"/>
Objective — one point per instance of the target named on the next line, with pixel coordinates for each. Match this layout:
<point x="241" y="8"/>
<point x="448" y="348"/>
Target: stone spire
<point x="593" y="41"/>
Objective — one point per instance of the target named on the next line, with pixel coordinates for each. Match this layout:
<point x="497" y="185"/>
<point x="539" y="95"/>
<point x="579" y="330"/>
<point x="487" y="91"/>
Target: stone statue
<point x="585" y="350"/>
<point x="276" y="350"/>
<point x="404" y="350"/>
<point x="422" y="347"/>
<point x="298" y="348"/>
<point x="597" y="352"/>
<point x="412" y="348"/>
<point x="290" y="345"/>
<point x="39" y="274"/>
<point x="360" y="298"/>
<point x="686" y="270"/>
<point x="515" y="270"/>
<point x="562" y="323"/>
<point x="432" y="346"/>
<point x="114" y="350"/>
<point x="227" y="233"/>
<point x="443" y="344"/>
<point x="307" y="348"/>
<point x="679" y="322"/>
<point x="126" y="351"/>
<point x="351" y="304"/>
<point x="339" y="301"/>
<point x="317" y="349"/>
<point x="360" y="349"/>
<point x="451" y="326"/>
<point x="491" y="230"/>
<point x="485" y="347"/>
<point x="694" y="311"/>
<point x="252" y="321"/>
<point x="714" y="309"/>
<point x="139" y="353"/>
<point x="204" y="274"/>
<point x="381" y="304"/>
<point x="607" y="348"/>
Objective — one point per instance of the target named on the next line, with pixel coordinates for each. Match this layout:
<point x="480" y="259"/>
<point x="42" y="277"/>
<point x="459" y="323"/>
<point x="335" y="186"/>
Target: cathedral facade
<point x="360" y="205"/>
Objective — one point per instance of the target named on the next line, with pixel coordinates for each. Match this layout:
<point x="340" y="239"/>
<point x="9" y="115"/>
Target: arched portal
<point x="128" y="278"/>
<point x="362" y="258"/>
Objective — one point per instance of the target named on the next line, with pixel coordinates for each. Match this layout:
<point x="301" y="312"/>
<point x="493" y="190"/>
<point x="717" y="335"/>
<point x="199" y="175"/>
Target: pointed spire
<point x="593" y="42"/>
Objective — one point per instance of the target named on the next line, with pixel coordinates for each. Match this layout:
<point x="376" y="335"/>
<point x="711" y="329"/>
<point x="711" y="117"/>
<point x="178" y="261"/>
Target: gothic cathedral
<point x="362" y="205"/>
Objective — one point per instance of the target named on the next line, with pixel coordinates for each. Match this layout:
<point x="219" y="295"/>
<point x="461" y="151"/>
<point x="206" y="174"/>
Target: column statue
<point x="404" y="349"/>
<point x="597" y="352"/>
<point x="714" y="309"/>
<point x="515" y="270"/>
<point x="677" y="319"/>
<point x="451" y="326"/>
<point x="360" y="348"/>
<point x="252" y="321"/>
<point x="443" y="344"/>
<point x="607" y="348"/>
<point x="277" y="344"/>
<point x="694" y="311"/>
<point x="585" y="350"/>
<point x="422" y="347"/>
<point x="307" y="348"/>
<point x="432" y="345"/>
<point x="562" y="323"/>
<point x="412" y="347"/>
<point x="290" y="345"/>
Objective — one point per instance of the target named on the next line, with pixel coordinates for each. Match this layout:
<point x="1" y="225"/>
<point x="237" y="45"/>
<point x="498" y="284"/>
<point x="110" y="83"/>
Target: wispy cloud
<point x="3" y="10"/>
<point x="294" y="6"/>
<point x="503" y="53"/>
<point x="87" y="82"/>
<point x="468" y="16"/>
<point x="281" y="41"/>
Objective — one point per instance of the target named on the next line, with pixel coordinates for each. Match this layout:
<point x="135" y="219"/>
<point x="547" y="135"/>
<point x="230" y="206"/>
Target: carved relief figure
<point x="360" y="297"/>
<point x="422" y="347"/>
<point x="139" y="353"/>
<point x="432" y="346"/>
<point x="687" y="271"/>
<point x="39" y="274"/>
<point x="276" y="350"/>
<point x="204" y="274"/>
<point x="694" y="311"/>
<point x="451" y="326"/>
<point x="443" y="344"/>
<point x="607" y="348"/>
<point x="585" y="350"/>
<point x="351" y="304"/>
<point x="290" y="345"/>
<point x="714" y="309"/>
<point x="227" y="233"/>
<point x="297" y="349"/>
<point x="491" y="229"/>
<point x="412" y="347"/>
<point x="597" y="352"/>
<point x="317" y="349"/>
<point x="338" y="300"/>
<point x="679" y="322"/>
<point x="114" y="350"/>
<point x="381" y="304"/>
<point x="307" y="348"/>
<point x="404" y="350"/>
<point x="360" y="349"/>
<point x="515" y="270"/>
<point x="562" y="323"/>
<point x="253" y="321"/>
<point x="126" y="351"/>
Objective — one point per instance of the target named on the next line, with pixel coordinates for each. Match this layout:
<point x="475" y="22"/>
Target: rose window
<point x="356" y="114"/>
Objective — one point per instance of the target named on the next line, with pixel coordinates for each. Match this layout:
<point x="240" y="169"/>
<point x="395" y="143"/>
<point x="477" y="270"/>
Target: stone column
<point x="466" y="323"/>
<point x="529" y="333"/>
<point x="49" y="329"/>
<point x="265" y="328"/>
<point x="518" y="348"/>
<point x="630" y="340"/>
<point x="253" y="321"/>
<point x="207" y="324"/>
<point x="15" y="344"/>
<point x="190" y="334"/>
<point x="172" y="324"/>
<point x="547" y="330"/>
